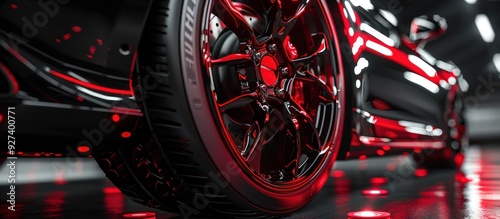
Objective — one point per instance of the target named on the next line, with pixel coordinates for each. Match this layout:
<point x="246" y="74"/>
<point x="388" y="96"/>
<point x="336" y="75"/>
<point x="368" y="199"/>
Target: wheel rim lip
<point x="333" y="142"/>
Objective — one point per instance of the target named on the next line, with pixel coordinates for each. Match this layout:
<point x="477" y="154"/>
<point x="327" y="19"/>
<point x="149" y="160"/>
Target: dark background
<point x="462" y="42"/>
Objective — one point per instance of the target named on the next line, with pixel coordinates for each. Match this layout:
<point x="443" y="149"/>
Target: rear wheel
<point x="244" y="115"/>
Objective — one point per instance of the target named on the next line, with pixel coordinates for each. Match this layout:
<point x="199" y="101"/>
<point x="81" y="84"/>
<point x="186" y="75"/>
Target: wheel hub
<point x="268" y="70"/>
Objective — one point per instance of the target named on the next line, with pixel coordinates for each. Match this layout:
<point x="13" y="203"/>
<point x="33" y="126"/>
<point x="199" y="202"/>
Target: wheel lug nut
<point x="272" y="48"/>
<point x="280" y="93"/>
<point x="284" y="71"/>
<point x="257" y="56"/>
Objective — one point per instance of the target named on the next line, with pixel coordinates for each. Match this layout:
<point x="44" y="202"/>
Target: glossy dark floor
<point x="56" y="188"/>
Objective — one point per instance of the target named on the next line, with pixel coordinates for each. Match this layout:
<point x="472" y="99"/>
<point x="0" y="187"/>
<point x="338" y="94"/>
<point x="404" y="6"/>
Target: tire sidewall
<point x="217" y="159"/>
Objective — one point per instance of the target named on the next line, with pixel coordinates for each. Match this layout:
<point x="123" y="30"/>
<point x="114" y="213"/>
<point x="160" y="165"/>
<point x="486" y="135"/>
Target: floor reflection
<point x="473" y="192"/>
<point x="78" y="192"/>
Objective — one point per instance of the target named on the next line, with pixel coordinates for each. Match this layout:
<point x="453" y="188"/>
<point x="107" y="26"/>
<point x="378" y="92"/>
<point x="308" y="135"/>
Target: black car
<point x="225" y="107"/>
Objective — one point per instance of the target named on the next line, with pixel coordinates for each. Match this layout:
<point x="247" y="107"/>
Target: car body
<point x="39" y="60"/>
<point x="70" y="75"/>
<point x="400" y="92"/>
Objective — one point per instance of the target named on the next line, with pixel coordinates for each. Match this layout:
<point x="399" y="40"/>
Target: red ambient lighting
<point x="12" y="79"/>
<point x="83" y="149"/>
<point x="140" y="215"/>
<point x="338" y="174"/>
<point x="91" y="86"/>
<point x="67" y="36"/>
<point x="378" y="180"/>
<point x="380" y="104"/>
<point x="421" y="172"/>
<point x="381" y="152"/>
<point x="126" y="134"/>
<point x="368" y="214"/>
<point x="115" y="118"/>
<point x="111" y="190"/>
<point x="374" y="192"/>
<point x="76" y="29"/>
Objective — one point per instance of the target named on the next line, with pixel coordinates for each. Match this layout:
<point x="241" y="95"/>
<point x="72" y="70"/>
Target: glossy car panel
<point x="401" y="94"/>
<point x="388" y="69"/>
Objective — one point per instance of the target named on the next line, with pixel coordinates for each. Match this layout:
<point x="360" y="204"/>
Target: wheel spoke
<point x="307" y="136"/>
<point x="239" y="101"/>
<point x="264" y="154"/>
<point x="250" y="139"/>
<point x="234" y="20"/>
<point x="299" y="116"/>
<point x="286" y="16"/>
<point x="319" y="46"/>
<point x="295" y="9"/>
<point x="326" y="95"/>
<point x="232" y="59"/>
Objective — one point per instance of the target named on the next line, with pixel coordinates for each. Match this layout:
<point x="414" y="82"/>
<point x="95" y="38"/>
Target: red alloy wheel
<point x="277" y="100"/>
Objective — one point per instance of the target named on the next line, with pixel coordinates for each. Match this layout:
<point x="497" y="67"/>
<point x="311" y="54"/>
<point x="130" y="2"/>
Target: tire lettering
<point x="188" y="41"/>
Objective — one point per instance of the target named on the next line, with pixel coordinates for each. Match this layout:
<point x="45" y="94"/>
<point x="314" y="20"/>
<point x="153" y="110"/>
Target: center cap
<point x="268" y="70"/>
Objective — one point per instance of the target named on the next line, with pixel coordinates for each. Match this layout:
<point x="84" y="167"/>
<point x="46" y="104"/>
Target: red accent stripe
<point x="91" y="86"/>
<point x="130" y="84"/>
<point x="126" y="111"/>
<point x="380" y="104"/>
<point x="9" y="74"/>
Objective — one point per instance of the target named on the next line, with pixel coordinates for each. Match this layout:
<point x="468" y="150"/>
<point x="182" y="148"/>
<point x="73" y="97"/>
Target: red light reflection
<point x="381" y="152"/>
<point x="83" y="149"/>
<point x="374" y="192"/>
<point x="126" y="134"/>
<point x="338" y="174"/>
<point x="113" y="200"/>
<point x="90" y="85"/>
<point x="376" y="181"/>
<point x="342" y="186"/>
<point x="10" y="76"/>
<point x="67" y="36"/>
<point x="53" y="204"/>
<point x="369" y="214"/>
<point x="115" y="118"/>
<point x="140" y="215"/>
<point x="111" y="190"/>
<point x="76" y="29"/>
<point x="421" y="172"/>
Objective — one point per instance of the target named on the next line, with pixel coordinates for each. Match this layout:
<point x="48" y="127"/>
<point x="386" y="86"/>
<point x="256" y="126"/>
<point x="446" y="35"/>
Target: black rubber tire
<point x="169" y="163"/>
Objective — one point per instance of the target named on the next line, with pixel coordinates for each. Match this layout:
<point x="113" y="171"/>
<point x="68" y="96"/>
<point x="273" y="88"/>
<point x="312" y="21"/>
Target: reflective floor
<point x="60" y="188"/>
<point x="472" y="193"/>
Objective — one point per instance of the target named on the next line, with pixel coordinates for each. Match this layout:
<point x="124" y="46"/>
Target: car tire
<point x="259" y="141"/>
